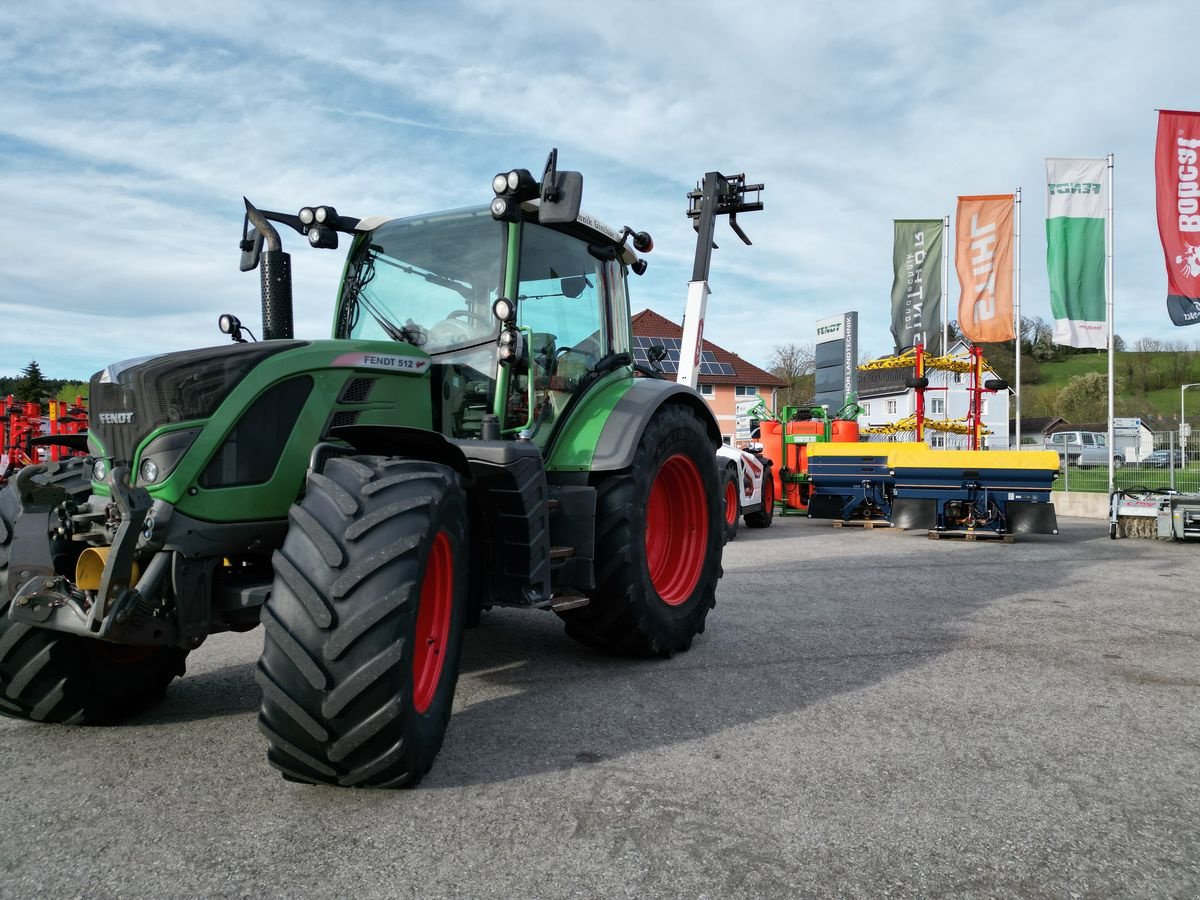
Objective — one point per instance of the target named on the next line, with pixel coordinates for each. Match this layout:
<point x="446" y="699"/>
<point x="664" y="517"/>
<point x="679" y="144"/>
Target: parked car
<point x="1161" y="459"/>
<point x="1084" y="448"/>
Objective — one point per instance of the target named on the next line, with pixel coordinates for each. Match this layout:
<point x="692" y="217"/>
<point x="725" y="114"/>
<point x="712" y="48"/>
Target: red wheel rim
<point x="769" y="494"/>
<point x="433" y="622"/>
<point x="731" y="502"/>
<point x="676" y="530"/>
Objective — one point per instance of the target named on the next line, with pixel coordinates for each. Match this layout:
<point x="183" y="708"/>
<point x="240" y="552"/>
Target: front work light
<point x="149" y="471"/>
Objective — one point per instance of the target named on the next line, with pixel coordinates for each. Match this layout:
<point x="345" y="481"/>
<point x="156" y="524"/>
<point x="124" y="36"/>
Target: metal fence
<point x="1158" y="461"/>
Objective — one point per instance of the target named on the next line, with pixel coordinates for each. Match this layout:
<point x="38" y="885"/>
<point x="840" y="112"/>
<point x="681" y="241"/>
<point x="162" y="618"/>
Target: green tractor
<point x="475" y="434"/>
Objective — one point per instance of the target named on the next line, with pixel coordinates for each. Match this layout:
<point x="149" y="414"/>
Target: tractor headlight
<point x="500" y="183"/>
<point x="149" y="471"/>
<point x="99" y="470"/>
<point x="308" y="215"/>
<point x="503" y="309"/>
<point x="499" y="207"/>
<point x="325" y="214"/>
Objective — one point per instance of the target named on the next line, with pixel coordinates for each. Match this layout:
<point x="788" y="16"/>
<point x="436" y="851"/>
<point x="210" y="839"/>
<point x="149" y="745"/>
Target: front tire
<point x="731" y="492"/>
<point x="51" y="676"/>
<point x="658" y="544"/>
<point x="364" y="625"/>
<point x="766" y="513"/>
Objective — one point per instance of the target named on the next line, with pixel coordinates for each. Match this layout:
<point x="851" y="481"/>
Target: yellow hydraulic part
<point x="909" y="423"/>
<point x="90" y="568"/>
<point x="908" y="359"/>
<point x="864" y="448"/>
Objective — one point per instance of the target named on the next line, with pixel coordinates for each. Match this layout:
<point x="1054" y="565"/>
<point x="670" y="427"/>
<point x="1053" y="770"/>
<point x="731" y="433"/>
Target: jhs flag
<point x="1177" y="177"/>
<point x="984" y="262"/>
<point x="1076" y="213"/>
<point x="917" y="284"/>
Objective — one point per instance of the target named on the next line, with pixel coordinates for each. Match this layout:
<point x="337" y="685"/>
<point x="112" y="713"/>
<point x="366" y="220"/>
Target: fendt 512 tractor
<point x="475" y="434"/>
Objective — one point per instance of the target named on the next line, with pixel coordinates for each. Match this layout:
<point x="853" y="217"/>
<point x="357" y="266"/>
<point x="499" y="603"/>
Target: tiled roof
<point x="650" y="324"/>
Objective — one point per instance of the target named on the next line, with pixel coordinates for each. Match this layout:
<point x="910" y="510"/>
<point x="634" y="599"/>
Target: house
<point x="886" y="399"/>
<point x="724" y="378"/>
<point x="1036" y="431"/>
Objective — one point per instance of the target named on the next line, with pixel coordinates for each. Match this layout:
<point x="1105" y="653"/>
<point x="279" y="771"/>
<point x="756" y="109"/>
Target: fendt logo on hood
<point x="119" y="418"/>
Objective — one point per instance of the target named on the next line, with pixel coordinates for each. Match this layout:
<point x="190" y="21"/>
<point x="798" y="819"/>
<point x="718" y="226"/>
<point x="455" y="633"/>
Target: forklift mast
<point x="718" y="195"/>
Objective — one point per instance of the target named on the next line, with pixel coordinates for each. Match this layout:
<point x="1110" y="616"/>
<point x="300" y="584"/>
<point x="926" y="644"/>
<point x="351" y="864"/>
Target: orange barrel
<point x="845" y="431"/>
<point x="769" y="435"/>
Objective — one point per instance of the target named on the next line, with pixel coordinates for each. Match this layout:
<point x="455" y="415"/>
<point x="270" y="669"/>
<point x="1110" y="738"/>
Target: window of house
<point x="938" y="440"/>
<point x="983" y="406"/>
<point x="705" y="389"/>
<point x="866" y="409"/>
<point x="958" y="377"/>
<point x="891" y="406"/>
<point x="726" y="440"/>
<point x="937" y="406"/>
<point x="744" y="390"/>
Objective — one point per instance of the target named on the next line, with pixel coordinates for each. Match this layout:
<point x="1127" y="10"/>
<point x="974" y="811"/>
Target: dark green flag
<point x="917" y="286"/>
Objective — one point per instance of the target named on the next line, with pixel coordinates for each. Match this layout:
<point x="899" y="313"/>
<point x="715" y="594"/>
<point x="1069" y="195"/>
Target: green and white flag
<point x="1076" y="210"/>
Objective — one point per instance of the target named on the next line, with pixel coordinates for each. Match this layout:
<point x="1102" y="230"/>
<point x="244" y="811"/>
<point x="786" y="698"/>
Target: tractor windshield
<point x="427" y="280"/>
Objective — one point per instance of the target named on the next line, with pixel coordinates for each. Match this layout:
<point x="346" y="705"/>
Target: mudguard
<point x="618" y="439"/>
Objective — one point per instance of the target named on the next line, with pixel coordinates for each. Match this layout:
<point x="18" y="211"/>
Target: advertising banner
<point x="1076" y="211"/>
<point x="836" y="360"/>
<point x="1176" y="172"/>
<point x="983" y="258"/>
<point x="917" y="284"/>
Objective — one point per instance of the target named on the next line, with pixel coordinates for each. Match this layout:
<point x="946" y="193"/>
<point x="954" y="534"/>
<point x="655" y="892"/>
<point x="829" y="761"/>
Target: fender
<point x="622" y="431"/>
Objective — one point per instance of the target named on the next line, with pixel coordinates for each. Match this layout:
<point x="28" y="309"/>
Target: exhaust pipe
<point x="276" y="264"/>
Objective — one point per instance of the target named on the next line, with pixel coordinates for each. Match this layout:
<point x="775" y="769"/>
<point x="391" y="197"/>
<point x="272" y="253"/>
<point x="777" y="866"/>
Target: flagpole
<point x="1017" y="305"/>
<point x="945" y="288"/>
<point x="946" y="312"/>
<point x="1109" y="288"/>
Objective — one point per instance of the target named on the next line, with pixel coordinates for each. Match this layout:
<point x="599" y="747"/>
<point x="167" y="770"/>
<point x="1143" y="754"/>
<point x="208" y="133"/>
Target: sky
<point x="129" y="132"/>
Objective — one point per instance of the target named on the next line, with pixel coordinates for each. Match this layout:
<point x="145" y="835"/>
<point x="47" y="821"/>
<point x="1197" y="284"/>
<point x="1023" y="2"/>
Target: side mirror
<point x="252" y="242"/>
<point x="573" y="285"/>
<point x="561" y="193"/>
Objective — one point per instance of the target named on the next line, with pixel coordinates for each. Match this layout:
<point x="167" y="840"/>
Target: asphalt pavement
<point x="869" y="714"/>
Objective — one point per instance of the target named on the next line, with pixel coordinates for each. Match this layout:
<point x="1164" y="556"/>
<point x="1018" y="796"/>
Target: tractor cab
<point x="517" y="317"/>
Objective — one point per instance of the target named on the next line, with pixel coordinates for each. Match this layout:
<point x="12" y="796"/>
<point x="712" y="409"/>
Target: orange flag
<point x="983" y="249"/>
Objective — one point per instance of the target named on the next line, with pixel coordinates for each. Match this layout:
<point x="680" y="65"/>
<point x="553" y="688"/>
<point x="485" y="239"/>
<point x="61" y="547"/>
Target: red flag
<point x="1177" y="178"/>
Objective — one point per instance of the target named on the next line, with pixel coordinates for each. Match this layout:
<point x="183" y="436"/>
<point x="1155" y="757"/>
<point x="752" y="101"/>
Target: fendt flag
<point x="917" y="285"/>
<point x="1176" y="172"/>
<point x="1076" y="210"/>
<point x="983" y="251"/>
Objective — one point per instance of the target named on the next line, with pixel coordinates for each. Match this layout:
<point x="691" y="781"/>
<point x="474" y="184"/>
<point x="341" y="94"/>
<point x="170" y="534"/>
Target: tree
<point x="32" y="386"/>
<point x="795" y="364"/>
<point x="1084" y="398"/>
<point x="72" y="389"/>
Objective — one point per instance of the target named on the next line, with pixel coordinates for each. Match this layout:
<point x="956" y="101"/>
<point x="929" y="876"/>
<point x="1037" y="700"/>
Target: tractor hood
<point x="130" y="399"/>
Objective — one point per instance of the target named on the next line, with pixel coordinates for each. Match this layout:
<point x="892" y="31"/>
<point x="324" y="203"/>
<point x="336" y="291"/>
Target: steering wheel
<point x="469" y="316"/>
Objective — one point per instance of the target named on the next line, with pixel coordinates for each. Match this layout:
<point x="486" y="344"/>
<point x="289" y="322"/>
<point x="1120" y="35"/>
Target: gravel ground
<point x="869" y="714"/>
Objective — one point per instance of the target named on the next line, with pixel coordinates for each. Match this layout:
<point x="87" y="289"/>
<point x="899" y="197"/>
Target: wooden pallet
<point x="980" y="535"/>
<point x="862" y="523"/>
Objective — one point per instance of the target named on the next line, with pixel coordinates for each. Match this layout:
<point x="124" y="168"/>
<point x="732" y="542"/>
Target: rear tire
<point x="658" y="544"/>
<point x="731" y="492"/>
<point x="364" y="625"/>
<point x="51" y="676"/>
<point x="766" y="513"/>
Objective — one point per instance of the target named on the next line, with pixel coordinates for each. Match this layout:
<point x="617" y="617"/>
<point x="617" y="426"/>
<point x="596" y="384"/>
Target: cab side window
<point x="560" y="299"/>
